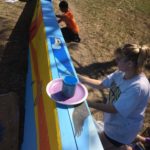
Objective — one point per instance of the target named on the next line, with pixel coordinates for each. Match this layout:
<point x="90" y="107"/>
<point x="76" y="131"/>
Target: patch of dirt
<point x="15" y="20"/>
<point x="105" y="25"/>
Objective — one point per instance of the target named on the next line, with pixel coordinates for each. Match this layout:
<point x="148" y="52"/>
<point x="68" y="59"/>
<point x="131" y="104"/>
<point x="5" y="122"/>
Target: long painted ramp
<point x="48" y="125"/>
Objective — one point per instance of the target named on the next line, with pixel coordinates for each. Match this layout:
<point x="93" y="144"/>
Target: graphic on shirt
<point x="114" y="93"/>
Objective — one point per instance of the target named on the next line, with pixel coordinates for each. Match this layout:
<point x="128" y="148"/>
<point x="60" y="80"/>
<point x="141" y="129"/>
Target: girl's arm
<point x="109" y="108"/>
<point x="91" y="82"/>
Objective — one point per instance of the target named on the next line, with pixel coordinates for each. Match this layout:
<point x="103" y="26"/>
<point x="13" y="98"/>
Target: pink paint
<point x="54" y="91"/>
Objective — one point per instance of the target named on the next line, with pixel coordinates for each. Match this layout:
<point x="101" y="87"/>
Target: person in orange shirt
<point x="71" y="31"/>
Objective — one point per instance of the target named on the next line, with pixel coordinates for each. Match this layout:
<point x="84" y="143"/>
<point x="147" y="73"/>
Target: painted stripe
<point x="34" y="61"/>
<point x="42" y="125"/>
<point x="85" y="139"/>
<point x="67" y="136"/>
<point x="68" y="141"/>
<point x="47" y="125"/>
<point x="29" y="139"/>
<point x="46" y="121"/>
<point x="49" y="108"/>
<point x="44" y="140"/>
<point x="83" y="132"/>
<point x="35" y="26"/>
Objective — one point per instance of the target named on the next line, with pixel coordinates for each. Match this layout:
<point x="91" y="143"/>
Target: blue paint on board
<point x="62" y="56"/>
<point x="30" y="137"/>
<point x="67" y="136"/>
<point x="61" y="65"/>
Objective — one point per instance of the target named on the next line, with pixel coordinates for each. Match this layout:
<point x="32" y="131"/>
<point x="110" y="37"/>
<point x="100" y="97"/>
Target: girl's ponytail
<point x="144" y="54"/>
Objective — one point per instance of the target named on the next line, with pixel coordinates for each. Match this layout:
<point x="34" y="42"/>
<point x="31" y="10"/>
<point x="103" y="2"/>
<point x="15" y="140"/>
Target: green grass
<point x="143" y="6"/>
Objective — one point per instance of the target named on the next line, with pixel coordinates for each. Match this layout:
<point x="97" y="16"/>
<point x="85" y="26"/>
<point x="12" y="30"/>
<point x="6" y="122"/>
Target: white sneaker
<point x="99" y="126"/>
<point x="11" y="1"/>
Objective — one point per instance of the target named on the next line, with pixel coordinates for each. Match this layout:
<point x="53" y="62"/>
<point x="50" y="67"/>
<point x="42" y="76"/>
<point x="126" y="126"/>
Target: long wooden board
<point x="51" y="126"/>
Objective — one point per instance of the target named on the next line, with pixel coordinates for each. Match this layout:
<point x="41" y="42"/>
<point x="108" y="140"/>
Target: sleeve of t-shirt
<point x="128" y="101"/>
<point x="64" y="18"/>
<point x="108" y="80"/>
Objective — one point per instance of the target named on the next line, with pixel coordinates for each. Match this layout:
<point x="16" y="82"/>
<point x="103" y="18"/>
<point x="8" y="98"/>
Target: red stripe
<point x="35" y="63"/>
<point x="35" y="25"/>
<point x="43" y="130"/>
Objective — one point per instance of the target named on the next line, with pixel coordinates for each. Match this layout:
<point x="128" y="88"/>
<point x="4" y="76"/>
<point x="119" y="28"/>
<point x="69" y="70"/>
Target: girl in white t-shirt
<point x="128" y="97"/>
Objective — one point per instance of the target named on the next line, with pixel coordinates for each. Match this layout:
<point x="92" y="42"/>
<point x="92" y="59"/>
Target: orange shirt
<point x="70" y="21"/>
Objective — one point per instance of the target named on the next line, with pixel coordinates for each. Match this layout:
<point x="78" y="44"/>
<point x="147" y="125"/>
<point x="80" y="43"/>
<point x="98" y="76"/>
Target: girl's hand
<point x="91" y="82"/>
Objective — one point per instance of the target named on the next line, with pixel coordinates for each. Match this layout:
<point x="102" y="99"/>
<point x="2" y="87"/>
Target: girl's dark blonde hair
<point x="135" y="53"/>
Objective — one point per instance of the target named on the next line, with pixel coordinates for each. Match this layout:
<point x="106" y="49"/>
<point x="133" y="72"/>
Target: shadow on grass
<point x="14" y="56"/>
<point x="96" y="70"/>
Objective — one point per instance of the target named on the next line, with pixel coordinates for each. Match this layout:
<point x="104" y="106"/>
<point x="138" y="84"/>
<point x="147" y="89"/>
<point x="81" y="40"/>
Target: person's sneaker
<point x="147" y="140"/>
<point x="76" y="39"/>
<point x="11" y="1"/>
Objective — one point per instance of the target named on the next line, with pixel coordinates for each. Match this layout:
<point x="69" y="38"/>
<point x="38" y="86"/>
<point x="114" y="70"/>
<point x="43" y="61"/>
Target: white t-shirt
<point x="130" y="98"/>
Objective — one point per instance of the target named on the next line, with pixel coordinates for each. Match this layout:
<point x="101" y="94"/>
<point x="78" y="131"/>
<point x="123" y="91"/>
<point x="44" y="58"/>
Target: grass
<point x="143" y="6"/>
<point x="117" y="20"/>
<point x="106" y="24"/>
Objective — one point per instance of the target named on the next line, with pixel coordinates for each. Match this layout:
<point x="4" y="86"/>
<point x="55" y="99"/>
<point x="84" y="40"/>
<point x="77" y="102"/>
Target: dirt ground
<point x="104" y="25"/>
<point x="15" y="20"/>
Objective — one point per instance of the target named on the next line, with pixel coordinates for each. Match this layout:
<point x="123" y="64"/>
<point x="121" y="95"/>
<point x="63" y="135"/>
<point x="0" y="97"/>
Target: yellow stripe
<point x="40" y="44"/>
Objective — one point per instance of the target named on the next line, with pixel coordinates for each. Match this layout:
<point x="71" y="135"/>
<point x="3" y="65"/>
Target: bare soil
<point x="15" y="20"/>
<point x="104" y="25"/>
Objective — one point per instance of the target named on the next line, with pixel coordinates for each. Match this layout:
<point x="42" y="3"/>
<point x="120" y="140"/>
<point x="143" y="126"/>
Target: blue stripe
<point x="62" y="57"/>
<point x="67" y="136"/>
<point x="52" y="28"/>
<point x="29" y="139"/>
<point x="84" y="139"/>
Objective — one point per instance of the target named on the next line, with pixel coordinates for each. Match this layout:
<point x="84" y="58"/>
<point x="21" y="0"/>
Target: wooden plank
<point x="77" y="130"/>
<point x="85" y="133"/>
<point x="67" y="136"/>
<point x="52" y="28"/>
<point x="45" y="114"/>
<point x="83" y="129"/>
<point x="64" y="67"/>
